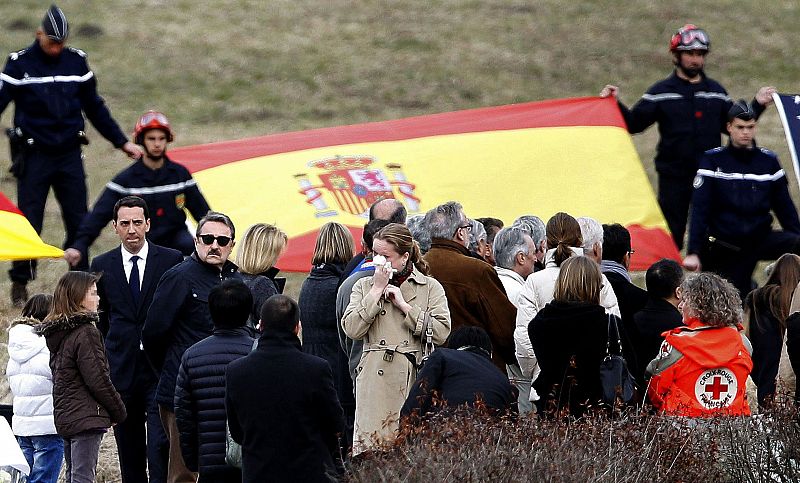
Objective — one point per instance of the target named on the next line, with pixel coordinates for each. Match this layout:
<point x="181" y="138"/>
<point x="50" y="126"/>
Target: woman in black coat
<point x="569" y="338"/>
<point x="317" y="301"/>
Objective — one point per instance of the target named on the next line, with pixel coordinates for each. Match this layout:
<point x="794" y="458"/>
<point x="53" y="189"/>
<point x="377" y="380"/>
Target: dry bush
<point x="471" y="446"/>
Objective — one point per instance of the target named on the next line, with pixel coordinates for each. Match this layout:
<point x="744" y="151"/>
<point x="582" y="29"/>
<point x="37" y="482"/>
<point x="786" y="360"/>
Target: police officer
<point x="52" y="88"/>
<point x="166" y="186"/>
<point x="735" y="189"/>
<point x="691" y="111"/>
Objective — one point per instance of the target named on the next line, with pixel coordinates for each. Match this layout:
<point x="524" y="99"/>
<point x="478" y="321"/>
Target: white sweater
<point x="31" y="382"/>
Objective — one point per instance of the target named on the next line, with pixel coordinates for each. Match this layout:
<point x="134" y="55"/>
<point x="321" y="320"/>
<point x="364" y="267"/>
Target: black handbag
<point x="615" y="378"/>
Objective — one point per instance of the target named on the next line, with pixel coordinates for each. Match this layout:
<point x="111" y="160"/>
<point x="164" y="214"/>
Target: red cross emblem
<point x="717" y="388"/>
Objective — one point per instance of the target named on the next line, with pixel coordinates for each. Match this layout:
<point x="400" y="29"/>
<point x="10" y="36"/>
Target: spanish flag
<point x="19" y="240"/>
<point x="571" y="155"/>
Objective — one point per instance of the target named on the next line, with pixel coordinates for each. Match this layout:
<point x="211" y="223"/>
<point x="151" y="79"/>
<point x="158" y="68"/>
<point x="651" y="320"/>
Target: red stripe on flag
<point x="651" y="245"/>
<point x="7" y="205"/>
<point x="580" y="111"/>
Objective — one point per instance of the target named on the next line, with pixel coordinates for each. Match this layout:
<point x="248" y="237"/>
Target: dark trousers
<point x="141" y="440"/>
<point x="736" y="259"/>
<point x="80" y="456"/>
<point x="674" y="197"/>
<point x="63" y="171"/>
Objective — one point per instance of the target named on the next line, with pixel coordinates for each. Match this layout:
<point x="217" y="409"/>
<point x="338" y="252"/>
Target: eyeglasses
<point x="222" y="240"/>
<point x="468" y="226"/>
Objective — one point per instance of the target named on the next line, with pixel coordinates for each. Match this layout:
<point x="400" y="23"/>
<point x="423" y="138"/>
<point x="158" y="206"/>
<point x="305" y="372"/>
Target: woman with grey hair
<point x="702" y="368"/>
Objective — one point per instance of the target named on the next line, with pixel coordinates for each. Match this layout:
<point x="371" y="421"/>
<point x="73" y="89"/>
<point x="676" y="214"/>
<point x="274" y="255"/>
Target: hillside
<point x="227" y="69"/>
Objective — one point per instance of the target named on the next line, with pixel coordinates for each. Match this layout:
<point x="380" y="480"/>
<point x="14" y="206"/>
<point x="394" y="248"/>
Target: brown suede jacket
<point x="83" y="397"/>
<point x="475" y="296"/>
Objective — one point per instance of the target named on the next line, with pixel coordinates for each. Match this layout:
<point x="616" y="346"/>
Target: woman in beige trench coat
<point x="398" y="311"/>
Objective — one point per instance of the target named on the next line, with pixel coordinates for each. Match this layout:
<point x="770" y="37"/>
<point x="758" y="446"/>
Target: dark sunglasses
<point x="222" y="240"/>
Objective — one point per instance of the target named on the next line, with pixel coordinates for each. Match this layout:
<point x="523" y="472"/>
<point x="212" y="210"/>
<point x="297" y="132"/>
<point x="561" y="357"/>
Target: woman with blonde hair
<point x="317" y="302"/>
<point x="569" y="339"/>
<point x="400" y="313"/>
<point x="84" y="399"/>
<point x="259" y="249"/>
<point x="766" y="310"/>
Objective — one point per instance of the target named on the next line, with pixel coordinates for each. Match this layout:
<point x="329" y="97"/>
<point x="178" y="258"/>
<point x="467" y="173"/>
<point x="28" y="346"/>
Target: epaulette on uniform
<point x="768" y="152"/>
<point x="77" y="51"/>
<point x="715" y="150"/>
<point x="15" y="55"/>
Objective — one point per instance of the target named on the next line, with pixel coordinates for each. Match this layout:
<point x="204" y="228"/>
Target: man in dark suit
<point x="130" y="275"/>
<point x="281" y="404"/>
<point x="660" y="314"/>
<point x="617" y="252"/>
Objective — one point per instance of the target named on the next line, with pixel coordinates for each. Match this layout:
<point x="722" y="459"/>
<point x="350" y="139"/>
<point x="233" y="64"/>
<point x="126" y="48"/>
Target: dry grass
<point x="225" y="69"/>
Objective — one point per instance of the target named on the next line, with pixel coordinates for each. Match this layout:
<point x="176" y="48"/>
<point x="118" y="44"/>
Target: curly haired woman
<point x="702" y="368"/>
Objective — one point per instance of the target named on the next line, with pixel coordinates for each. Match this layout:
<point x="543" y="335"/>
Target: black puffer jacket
<point x="200" y="402"/>
<point x="83" y="397"/>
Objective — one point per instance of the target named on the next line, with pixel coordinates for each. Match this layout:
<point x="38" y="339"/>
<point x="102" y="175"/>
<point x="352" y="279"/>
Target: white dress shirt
<point x="127" y="264"/>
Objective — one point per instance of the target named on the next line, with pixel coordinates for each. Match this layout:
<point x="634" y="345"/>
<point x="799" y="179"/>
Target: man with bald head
<point x="388" y="209"/>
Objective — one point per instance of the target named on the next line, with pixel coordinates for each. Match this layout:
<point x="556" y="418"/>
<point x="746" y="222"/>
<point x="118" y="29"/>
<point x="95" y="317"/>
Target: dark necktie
<point x="133" y="281"/>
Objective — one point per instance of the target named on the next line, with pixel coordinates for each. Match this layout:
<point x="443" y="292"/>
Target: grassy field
<point x="231" y="69"/>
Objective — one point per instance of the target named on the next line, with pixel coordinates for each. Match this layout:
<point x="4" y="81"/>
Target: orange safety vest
<point x="701" y="371"/>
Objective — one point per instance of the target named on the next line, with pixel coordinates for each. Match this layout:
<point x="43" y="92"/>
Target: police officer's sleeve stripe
<point x="712" y="95"/>
<point x="742" y="176"/>
<point x="667" y="96"/>
<point x="46" y="80"/>
<point x="150" y="190"/>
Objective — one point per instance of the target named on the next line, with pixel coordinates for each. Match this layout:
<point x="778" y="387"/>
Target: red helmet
<point x="151" y="120"/>
<point x="689" y="37"/>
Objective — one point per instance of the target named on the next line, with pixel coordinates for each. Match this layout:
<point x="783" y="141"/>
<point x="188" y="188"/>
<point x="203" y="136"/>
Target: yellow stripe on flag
<point x="502" y="174"/>
<point x="20" y="241"/>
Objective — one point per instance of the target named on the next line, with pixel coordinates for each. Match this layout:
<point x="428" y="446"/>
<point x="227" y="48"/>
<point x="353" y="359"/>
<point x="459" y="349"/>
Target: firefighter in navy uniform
<point x="165" y="185"/>
<point x="736" y="188"/>
<point x="52" y="88"/>
<point x="691" y="111"/>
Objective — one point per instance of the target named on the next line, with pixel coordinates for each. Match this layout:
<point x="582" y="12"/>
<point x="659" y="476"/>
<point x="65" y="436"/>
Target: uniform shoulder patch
<point x="15" y="55"/>
<point x="768" y="152"/>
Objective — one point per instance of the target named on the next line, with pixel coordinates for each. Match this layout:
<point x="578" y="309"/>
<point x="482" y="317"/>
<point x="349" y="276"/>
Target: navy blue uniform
<point x="731" y="225"/>
<point x="690" y="117"/>
<point x="51" y="95"/>
<point x="167" y="191"/>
